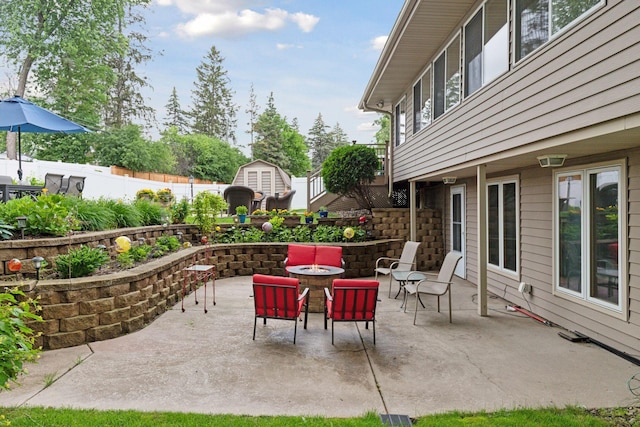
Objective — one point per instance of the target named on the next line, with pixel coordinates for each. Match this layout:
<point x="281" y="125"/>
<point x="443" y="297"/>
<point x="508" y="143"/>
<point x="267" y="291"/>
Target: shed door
<point x="261" y="179"/>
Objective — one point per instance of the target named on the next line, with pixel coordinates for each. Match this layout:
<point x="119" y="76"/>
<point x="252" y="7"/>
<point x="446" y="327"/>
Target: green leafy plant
<point x="6" y="230"/>
<point x="125" y="259"/>
<point x="152" y="213"/>
<point x="125" y="214"/>
<point x="17" y="338"/>
<point x="171" y="242"/>
<point x="180" y="211"/>
<point x="348" y="170"/>
<point x="206" y="207"/>
<point x="80" y="262"/>
<point x="241" y="210"/>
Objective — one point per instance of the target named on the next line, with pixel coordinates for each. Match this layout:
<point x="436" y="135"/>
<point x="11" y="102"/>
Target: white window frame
<point x="485" y="78"/>
<point x="551" y="35"/>
<point x="417" y="124"/>
<point x="400" y="128"/>
<point x="583" y="297"/>
<point x="444" y="54"/>
<point x="500" y="182"/>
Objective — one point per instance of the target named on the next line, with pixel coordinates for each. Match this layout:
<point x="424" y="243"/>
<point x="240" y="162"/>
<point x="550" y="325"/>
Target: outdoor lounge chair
<point x="406" y="262"/>
<point x="280" y="201"/>
<point x="74" y="186"/>
<point x="278" y="297"/>
<point x="238" y="195"/>
<point x="439" y="285"/>
<point x="53" y="182"/>
<point x="351" y="300"/>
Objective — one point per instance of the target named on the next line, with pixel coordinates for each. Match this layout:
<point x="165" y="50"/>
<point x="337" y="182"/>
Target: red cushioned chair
<point x="314" y="254"/>
<point x="279" y="298"/>
<point x="351" y="300"/>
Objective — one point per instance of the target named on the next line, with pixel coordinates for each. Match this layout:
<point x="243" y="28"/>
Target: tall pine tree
<point x="213" y="113"/>
<point x="176" y="117"/>
<point x="320" y="142"/>
<point x="269" y="138"/>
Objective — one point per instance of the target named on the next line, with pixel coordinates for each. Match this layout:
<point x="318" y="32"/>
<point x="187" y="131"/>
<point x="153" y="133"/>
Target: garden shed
<point x="262" y="176"/>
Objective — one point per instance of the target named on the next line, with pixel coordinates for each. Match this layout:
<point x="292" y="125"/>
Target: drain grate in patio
<point x="396" y="420"/>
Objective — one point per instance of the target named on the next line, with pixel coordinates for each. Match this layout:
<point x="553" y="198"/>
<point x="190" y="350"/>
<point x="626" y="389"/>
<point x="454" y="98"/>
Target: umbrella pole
<point x="19" y="156"/>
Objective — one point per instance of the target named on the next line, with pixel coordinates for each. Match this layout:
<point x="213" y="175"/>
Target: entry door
<point x="458" y="227"/>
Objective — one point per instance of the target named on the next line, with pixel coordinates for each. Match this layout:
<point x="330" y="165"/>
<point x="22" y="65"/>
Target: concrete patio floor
<point x="208" y="363"/>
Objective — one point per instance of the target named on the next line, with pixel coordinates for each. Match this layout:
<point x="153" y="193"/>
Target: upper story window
<point x="538" y="20"/>
<point x="486" y="45"/>
<point x="422" y="102"/>
<point x="446" y="79"/>
<point x="400" y="121"/>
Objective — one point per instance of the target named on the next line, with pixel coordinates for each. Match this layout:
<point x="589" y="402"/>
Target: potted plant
<point x="308" y="217"/>
<point x="323" y="212"/>
<point x="241" y="211"/>
<point x="145" y="193"/>
<point x="165" y="195"/>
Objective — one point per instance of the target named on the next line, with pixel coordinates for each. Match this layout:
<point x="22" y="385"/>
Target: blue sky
<point x="316" y="56"/>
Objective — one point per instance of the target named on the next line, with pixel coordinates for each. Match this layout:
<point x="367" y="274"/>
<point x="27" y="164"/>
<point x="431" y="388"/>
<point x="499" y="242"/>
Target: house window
<point x="486" y="45"/>
<point x="446" y="79"/>
<point x="533" y="26"/>
<point x="422" y="102"/>
<point x="400" y="121"/>
<point x="502" y="225"/>
<point x="588" y="227"/>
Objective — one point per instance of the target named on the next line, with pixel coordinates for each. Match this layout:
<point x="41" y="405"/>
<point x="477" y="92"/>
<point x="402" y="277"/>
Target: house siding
<point x="586" y="76"/>
<point x="536" y="256"/>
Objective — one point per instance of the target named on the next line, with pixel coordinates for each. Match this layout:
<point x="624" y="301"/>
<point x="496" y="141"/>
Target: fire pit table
<point x="316" y="278"/>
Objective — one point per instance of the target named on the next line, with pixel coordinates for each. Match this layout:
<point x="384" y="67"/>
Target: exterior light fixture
<point x="448" y="180"/>
<point x="179" y="234"/>
<point x="101" y="247"/>
<point x="380" y="103"/>
<point x="22" y="224"/>
<point x="140" y="241"/>
<point x="37" y="264"/>
<point x="551" y="160"/>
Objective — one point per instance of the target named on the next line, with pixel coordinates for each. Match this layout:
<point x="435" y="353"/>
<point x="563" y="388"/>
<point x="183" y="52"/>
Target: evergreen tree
<point x="252" y="110"/>
<point x="338" y="137"/>
<point x="213" y="113"/>
<point x="320" y="142"/>
<point x="125" y="102"/>
<point x="269" y="138"/>
<point x="295" y="149"/>
<point x="175" y="115"/>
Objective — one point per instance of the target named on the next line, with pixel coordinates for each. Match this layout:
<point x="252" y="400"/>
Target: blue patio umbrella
<point x="19" y="115"/>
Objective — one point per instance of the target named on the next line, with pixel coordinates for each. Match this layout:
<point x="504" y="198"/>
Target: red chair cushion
<point x="275" y="280"/>
<point x="301" y="255"/>
<point x="329" y="255"/>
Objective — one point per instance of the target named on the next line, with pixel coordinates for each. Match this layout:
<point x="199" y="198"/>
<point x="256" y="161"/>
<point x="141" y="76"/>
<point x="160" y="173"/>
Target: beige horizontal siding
<point x="587" y="76"/>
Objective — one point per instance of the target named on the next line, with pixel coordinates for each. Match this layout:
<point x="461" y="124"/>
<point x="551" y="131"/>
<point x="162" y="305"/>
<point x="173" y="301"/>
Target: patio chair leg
<point x="332" y="331"/>
<point x="374" y="331"/>
<point x="450" y="321"/>
<point x="255" y="321"/>
<point x="295" y="330"/>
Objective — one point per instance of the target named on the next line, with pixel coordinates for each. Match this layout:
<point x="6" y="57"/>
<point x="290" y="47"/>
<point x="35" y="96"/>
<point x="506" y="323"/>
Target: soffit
<point x="419" y="33"/>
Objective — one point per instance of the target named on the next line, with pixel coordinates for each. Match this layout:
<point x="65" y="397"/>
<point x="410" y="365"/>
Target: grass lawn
<point x="549" y="417"/>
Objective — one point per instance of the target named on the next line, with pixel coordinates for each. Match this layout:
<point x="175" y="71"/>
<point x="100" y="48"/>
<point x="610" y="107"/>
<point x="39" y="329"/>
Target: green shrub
<point x="151" y="213"/>
<point x="93" y="216"/>
<point x="125" y="214"/>
<point x="180" y="211"/>
<point x="125" y="260"/>
<point x="140" y="253"/>
<point x="171" y="242"/>
<point x="80" y="262"/>
<point x="348" y="170"/>
<point x="206" y="207"/>
<point x="16" y="337"/>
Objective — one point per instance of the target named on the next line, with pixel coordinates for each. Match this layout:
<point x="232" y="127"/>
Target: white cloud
<point x="305" y="21"/>
<point x="285" y="46"/>
<point x="232" y="24"/>
<point x="232" y="18"/>
<point x="378" y="42"/>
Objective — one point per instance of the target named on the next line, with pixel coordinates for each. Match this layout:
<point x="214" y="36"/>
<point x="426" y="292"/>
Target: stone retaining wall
<point x="83" y="310"/>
